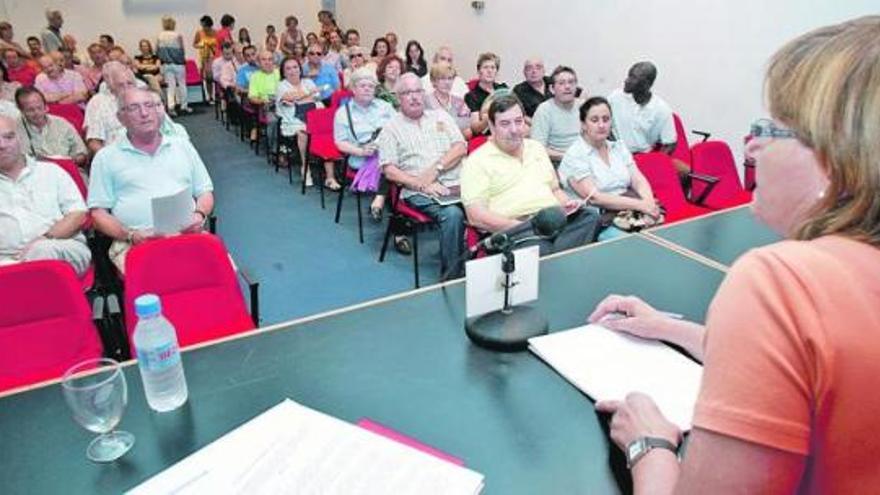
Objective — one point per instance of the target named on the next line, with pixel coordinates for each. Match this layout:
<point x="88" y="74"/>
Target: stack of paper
<point x="608" y="365"/>
<point x="293" y="449"/>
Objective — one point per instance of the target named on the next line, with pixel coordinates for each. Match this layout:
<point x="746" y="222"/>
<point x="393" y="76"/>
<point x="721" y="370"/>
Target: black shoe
<point x="376" y="214"/>
<point x="402" y="245"/>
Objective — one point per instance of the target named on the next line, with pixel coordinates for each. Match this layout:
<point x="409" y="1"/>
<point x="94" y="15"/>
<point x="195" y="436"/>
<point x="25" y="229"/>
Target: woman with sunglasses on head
<point x="791" y="346"/>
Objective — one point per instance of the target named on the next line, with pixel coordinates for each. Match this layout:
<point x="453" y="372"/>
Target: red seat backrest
<point x="339" y="96"/>
<point x="320" y="121"/>
<point x="194" y="278"/>
<point x="682" y="147"/>
<point x="472" y="84"/>
<point x="661" y="174"/>
<point x="475" y="142"/>
<point x="715" y="158"/>
<point x="71" y="113"/>
<point x="45" y="323"/>
<point x="193" y="76"/>
<point x="72" y="170"/>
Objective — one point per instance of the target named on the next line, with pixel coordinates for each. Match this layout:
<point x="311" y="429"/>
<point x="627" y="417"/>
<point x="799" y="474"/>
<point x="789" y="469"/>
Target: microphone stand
<point x="509" y="329"/>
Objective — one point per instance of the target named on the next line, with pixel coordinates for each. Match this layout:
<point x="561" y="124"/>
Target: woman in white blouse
<point x="294" y="91"/>
<point x="604" y="171"/>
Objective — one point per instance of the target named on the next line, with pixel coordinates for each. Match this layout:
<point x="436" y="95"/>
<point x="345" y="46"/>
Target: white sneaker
<point x="309" y="182"/>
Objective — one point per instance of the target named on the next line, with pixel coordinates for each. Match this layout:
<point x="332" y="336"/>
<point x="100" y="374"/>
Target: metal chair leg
<point x="385" y="241"/>
<point x="415" y="254"/>
<point x="357" y="195"/>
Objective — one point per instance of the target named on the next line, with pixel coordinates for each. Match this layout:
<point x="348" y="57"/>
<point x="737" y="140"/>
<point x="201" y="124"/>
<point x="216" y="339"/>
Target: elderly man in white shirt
<point x="41" y="209"/>
<point x="101" y="123"/>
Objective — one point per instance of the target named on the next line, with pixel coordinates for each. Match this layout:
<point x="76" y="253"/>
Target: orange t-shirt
<point x="792" y="359"/>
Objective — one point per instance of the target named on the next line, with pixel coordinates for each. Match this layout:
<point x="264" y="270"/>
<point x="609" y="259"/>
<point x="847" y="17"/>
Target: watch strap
<point x="639" y="447"/>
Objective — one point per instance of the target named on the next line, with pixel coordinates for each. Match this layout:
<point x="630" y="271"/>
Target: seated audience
<point x="510" y="178"/>
<point x="356" y="60"/>
<point x="789" y="349"/>
<point x="388" y="73"/>
<point x="324" y="75"/>
<point x="17" y="70"/>
<point x="244" y="37"/>
<point x="79" y="57"/>
<point x="226" y="67"/>
<point x="49" y="135"/>
<point x="444" y="55"/>
<point x="35" y="47"/>
<point x="642" y="119"/>
<point x="91" y="73"/>
<point x="148" y="66"/>
<point x="261" y="93"/>
<point x="51" y="37"/>
<point x="243" y="77"/>
<point x="107" y="42"/>
<point x="328" y="23"/>
<point x="6" y="40"/>
<point x="442" y="75"/>
<point x="140" y="165"/>
<point x="487" y="67"/>
<point x="415" y="59"/>
<point x="603" y="171"/>
<point x="101" y="122"/>
<point x="294" y="96"/>
<point x="291" y="35"/>
<point x="58" y="84"/>
<point x="7" y="87"/>
<point x="312" y="39"/>
<point x="379" y="52"/>
<point x="555" y="123"/>
<point x="41" y="209"/>
<point x="421" y="150"/>
<point x="270" y="31"/>
<point x="170" y="50"/>
<point x="393" y="48"/>
<point x="333" y="55"/>
<point x="535" y="89"/>
<point x="272" y="47"/>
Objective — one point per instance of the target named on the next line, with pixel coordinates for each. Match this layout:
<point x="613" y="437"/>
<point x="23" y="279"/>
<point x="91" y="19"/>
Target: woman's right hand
<point x="631" y="315"/>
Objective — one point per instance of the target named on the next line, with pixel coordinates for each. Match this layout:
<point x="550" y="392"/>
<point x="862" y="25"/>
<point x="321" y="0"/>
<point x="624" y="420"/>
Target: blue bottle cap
<point x="147" y="305"/>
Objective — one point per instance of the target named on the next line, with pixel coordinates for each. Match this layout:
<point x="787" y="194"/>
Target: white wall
<point x="710" y="54"/>
<point x="130" y="20"/>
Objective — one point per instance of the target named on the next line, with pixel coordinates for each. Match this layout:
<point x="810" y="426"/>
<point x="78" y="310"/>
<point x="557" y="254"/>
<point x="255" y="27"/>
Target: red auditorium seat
<point x="715" y="159"/>
<point x="657" y="167"/>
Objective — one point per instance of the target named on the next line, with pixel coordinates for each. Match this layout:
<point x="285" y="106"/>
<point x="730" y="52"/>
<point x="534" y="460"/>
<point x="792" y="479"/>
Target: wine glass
<point x="96" y="392"/>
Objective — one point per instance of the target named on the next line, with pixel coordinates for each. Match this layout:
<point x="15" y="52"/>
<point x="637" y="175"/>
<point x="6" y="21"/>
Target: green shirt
<point x="262" y="85"/>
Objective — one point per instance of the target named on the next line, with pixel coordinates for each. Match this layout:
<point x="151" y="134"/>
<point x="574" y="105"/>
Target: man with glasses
<point x="324" y="75"/>
<point x="49" y="135"/>
<point x="421" y="150"/>
<point x="141" y="165"/>
<point x="556" y="123"/>
<point x="102" y="125"/>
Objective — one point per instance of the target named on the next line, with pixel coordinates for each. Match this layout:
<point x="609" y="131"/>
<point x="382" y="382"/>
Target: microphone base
<point x="506" y="332"/>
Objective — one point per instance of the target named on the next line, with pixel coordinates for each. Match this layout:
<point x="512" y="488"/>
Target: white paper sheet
<point x="293" y="449"/>
<point x="484" y="281"/>
<point x="173" y="212"/>
<point x="608" y="365"/>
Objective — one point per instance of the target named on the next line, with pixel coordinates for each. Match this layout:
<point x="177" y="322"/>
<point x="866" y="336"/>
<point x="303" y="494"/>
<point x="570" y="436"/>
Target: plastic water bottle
<point x="158" y="356"/>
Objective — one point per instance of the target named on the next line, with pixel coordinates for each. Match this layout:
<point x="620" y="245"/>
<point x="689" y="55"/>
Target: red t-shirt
<point x="24" y="74"/>
<point x="792" y="359"/>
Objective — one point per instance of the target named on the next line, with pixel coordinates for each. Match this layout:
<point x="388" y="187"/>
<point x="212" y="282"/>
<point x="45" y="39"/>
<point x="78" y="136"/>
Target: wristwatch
<point x="439" y="168"/>
<point x="641" y="446"/>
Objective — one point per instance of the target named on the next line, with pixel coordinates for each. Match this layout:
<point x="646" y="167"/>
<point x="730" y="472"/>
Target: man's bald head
<point x="10" y="145"/>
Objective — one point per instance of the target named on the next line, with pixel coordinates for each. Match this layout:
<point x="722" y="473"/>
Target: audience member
<point x="421" y="150"/>
<point x="7" y="87"/>
<point x="101" y="122"/>
<point x="272" y="47"/>
<point x="261" y="92"/>
<point x="207" y="47"/>
<point x="64" y="59"/>
<point x="294" y="96"/>
<point x="789" y="350"/>
<point x="141" y="165"/>
<point x="148" y="66"/>
<point x="328" y="24"/>
<point x="170" y="50"/>
<point x="388" y="72"/>
<point x="380" y="51"/>
<point x="115" y="53"/>
<point x="312" y="39"/>
<point x="291" y="35"/>
<point x="79" y="56"/>
<point x="270" y="31"/>
<point x="442" y="75"/>
<point x="510" y="178"/>
<point x="642" y="119"/>
<point x="35" y="47"/>
<point x="393" y="49"/>
<point x="6" y="40"/>
<point x="41" y="209"/>
<point x="224" y="34"/>
<point x="352" y="38"/>
<point x="51" y="37"/>
<point x="299" y="52"/>
<point x="555" y="123"/>
<point x="107" y="42"/>
<point x="49" y="135"/>
<point x="244" y="37"/>
<point x="415" y="59"/>
<point x="603" y="171"/>
<point x="333" y="55"/>
<point x="17" y="70"/>
<point x="356" y="126"/>
<point x="58" y="84"/>
<point x="535" y="89"/>
<point x="91" y="74"/>
<point x="444" y="55"/>
<point x="324" y="75"/>
<point x="243" y="77"/>
<point x="356" y="59"/>
<point x="226" y="67"/>
<point x="487" y="68"/>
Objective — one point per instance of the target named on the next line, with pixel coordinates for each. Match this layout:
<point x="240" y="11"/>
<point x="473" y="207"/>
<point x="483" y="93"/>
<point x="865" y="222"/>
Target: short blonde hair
<point x="825" y="85"/>
<point x="441" y="69"/>
<point x="168" y="23"/>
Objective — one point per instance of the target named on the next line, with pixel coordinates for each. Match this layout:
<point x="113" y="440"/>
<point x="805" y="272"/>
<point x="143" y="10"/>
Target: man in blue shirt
<point x="324" y="75"/>
<point x="243" y="77"/>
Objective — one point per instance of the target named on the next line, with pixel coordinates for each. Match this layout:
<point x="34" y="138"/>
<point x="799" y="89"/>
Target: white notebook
<point x="293" y="449"/>
<point x="608" y="365"/>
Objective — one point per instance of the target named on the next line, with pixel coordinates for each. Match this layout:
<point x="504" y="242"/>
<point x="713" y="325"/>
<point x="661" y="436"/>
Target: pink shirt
<point x="68" y="84"/>
<point x="91" y="77"/>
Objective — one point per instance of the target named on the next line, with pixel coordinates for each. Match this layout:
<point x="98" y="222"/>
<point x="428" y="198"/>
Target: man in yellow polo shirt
<point x="261" y="93"/>
<point x="510" y="178"/>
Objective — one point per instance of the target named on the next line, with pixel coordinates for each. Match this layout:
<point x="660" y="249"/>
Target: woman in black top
<point x="415" y="59"/>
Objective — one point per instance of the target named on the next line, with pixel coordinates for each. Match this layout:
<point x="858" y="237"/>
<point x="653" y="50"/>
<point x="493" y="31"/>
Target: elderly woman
<point x="356" y="60"/>
<point x="442" y="75"/>
<point x="389" y="72"/>
<point x="293" y="97"/>
<point x="603" y="171"/>
<point x="356" y="126"/>
<point x="790" y="347"/>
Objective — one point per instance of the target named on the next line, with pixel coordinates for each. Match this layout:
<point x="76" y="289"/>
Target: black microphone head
<point x="549" y="222"/>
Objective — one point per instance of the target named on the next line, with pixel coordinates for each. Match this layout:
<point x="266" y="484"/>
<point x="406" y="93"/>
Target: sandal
<point x="376" y="213"/>
<point x="402" y="245"/>
<point x="332" y="185"/>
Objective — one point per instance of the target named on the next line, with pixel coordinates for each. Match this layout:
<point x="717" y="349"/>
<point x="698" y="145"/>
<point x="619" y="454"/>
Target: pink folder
<point x="386" y="432"/>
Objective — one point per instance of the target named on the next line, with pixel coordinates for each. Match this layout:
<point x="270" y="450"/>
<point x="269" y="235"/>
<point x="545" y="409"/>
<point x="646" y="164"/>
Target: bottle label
<point x="159" y="358"/>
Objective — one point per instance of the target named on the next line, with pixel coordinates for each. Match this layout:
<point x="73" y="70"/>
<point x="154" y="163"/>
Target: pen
<point x="616" y="315"/>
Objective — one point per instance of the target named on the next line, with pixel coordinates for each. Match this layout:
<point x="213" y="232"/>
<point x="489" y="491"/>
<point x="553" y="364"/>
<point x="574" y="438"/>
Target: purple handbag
<point x="367" y="177"/>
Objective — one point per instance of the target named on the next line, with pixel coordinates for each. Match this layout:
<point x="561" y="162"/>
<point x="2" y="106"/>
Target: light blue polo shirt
<point x="364" y="120"/>
<point x="124" y="179"/>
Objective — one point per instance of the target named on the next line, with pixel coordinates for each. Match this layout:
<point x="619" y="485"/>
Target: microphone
<point x="546" y="223"/>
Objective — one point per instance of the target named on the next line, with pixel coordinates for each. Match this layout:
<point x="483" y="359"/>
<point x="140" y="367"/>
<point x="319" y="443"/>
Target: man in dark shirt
<point x="536" y="88"/>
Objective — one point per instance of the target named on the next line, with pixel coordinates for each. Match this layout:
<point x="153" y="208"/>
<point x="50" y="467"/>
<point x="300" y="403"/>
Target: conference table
<point x="403" y="361"/>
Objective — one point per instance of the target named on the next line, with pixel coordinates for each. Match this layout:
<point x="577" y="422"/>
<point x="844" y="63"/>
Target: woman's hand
<point x="635" y="417"/>
<point x="631" y="315"/>
<point x="649" y="207"/>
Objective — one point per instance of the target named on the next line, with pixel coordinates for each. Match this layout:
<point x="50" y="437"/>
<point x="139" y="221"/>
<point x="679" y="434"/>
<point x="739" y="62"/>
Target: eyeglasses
<point x="314" y="53"/>
<point x="410" y="92"/>
<point x="353" y="55"/>
<point x="768" y="128"/>
<point x="134" y="107"/>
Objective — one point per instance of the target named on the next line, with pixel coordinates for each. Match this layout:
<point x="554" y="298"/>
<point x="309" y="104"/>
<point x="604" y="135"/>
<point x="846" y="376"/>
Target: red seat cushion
<point x="405" y="209"/>
<point x="323" y="147"/>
